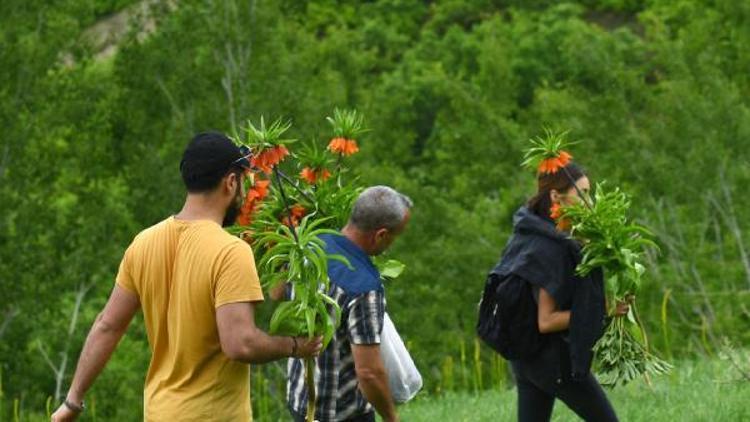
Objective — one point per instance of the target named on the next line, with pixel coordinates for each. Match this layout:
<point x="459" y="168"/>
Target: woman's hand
<point x="623" y="307"/>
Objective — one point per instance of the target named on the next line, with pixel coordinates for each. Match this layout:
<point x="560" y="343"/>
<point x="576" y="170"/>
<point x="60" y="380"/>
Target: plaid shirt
<point x="360" y="295"/>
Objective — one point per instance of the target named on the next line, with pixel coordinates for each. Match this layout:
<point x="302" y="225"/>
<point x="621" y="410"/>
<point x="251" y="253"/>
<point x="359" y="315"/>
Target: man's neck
<point x="355" y="236"/>
<point x="200" y="207"/>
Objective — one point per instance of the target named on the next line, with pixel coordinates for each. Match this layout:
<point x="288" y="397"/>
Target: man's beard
<point x="233" y="210"/>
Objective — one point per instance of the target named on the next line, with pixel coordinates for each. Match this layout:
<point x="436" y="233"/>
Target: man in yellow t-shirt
<point x="197" y="287"/>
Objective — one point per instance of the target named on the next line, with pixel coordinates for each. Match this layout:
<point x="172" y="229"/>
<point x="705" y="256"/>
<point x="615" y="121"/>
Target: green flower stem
<point x="286" y="205"/>
<point x="309" y="362"/>
<point x="339" y="160"/>
<point x="640" y="325"/>
<point x="295" y="185"/>
<point x="311" y="395"/>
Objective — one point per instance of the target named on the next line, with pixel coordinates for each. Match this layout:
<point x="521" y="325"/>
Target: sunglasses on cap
<point x="244" y="161"/>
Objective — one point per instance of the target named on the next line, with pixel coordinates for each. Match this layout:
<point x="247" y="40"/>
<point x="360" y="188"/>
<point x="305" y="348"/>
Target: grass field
<point x="695" y="391"/>
<point x="707" y="390"/>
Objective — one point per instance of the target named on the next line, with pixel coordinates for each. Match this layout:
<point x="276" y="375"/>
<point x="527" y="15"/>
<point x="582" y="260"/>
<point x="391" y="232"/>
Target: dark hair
<point x="206" y="160"/>
<point x="561" y="181"/>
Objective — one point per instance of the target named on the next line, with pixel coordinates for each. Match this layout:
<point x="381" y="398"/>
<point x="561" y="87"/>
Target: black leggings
<point x="539" y="383"/>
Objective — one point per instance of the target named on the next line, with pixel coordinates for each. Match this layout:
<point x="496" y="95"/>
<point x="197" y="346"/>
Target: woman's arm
<point x="551" y="320"/>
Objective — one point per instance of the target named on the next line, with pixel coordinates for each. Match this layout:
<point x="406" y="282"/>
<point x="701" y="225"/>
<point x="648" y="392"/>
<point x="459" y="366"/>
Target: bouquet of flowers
<point x="283" y="216"/>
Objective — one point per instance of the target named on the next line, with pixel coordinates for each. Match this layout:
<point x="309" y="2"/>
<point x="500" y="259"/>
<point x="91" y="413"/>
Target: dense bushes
<point x="452" y="89"/>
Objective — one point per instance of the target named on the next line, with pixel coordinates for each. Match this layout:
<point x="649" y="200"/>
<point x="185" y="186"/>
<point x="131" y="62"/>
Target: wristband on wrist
<point x="74" y="407"/>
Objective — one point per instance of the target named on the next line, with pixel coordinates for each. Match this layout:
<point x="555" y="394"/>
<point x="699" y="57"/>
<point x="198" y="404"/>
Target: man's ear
<point x="230" y="182"/>
<point x="381" y="233"/>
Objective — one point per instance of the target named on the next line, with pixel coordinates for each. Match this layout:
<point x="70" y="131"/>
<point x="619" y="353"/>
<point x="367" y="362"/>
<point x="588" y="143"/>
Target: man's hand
<point x="243" y="341"/>
<point x="108" y="328"/>
<point x="308" y="347"/>
<point x="64" y="414"/>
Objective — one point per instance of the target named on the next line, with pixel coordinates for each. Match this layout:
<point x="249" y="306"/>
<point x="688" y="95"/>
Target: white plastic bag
<point x="403" y="376"/>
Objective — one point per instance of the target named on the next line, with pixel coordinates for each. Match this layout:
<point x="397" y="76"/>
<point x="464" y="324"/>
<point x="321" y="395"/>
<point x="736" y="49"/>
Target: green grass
<point x="695" y="391"/>
<point x="706" y="390"/>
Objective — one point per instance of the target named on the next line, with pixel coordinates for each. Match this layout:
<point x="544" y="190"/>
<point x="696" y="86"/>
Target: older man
<point x="351" y="381"/>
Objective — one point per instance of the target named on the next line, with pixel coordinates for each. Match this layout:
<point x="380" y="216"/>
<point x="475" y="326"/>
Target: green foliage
<point x="452" y="89"/>
<point x="346" y="124"/>
<point x="390" y="269"/>
<point x="265" y="137"/>
<point x="614" y="244"/>
<point x="610" y="241"/>
<point x="544" y="148"/>
<point x="292" y="253"/>
<point x="314" y="157"/>
<point x="300" y="259"/>
<point x="333" y="199"/>
<point x="622" y="358"/>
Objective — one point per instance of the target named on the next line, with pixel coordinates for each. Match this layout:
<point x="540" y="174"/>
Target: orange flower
<point x="266" y="159"/>
<point x="555" y="212"/>
<point x="351" y="147"/>
<point x="295" y="215"/>
<point x="552" y="165"/>
<point x="337" y="145"/>
<point x="312" y="176"/>
<point x="243" y="220"/>
<point x="254" y="195"/>
<point x="308" y="175"/>
<point x="545" y="165"/>
<point x="261" y="188"/>
<point x="564" y="158"/>
<point x="343" y="146"/>
<point x="298" y="211"/>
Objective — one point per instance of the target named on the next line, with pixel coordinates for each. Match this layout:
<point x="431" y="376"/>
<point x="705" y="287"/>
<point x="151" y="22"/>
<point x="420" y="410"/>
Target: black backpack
<point x="508" y="317"/>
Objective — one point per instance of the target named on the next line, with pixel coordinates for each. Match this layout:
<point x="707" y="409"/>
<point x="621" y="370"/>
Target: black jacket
<point x="547" y="258"/>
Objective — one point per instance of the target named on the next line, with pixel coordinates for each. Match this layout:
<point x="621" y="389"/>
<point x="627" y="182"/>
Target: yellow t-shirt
<point x="182" y="271"/>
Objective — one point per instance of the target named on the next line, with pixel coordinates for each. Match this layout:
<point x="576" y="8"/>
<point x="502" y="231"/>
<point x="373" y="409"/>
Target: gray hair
<point x="380" y="207"/>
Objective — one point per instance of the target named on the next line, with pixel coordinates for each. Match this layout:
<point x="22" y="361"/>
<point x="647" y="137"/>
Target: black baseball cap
<point x="208" y="157"/>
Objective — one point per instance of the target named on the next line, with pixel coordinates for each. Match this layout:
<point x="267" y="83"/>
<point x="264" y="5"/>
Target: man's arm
<point x="242" y="340"/>
<point x="373" y="379"/>
<point x="106" y="332"/>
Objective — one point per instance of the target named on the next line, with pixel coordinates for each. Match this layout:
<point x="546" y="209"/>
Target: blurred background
<point x="99" y="97"/>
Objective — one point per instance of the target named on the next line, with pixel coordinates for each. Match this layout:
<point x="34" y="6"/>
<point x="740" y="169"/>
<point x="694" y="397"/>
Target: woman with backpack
<point x="544" y="318"/>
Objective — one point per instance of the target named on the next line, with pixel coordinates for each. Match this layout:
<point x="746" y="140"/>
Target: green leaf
<point x="310" y="318"/>
<point x="390" y="269"/>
